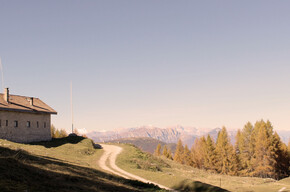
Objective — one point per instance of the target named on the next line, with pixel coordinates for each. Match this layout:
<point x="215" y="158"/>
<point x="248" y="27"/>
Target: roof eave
<point x="28" y="111"/>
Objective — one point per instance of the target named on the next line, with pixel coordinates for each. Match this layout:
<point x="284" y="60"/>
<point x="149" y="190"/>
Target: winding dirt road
<point x="110" y="154"/>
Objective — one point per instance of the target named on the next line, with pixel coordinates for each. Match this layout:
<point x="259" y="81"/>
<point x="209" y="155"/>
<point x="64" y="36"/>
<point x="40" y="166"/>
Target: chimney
<point x="6" y="95"/>
<point x="31" y="101"/>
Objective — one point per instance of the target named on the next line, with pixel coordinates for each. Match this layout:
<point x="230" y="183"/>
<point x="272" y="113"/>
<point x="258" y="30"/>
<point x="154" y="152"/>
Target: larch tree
<point x="52" y="130"/>
<point x="269" y="128"/>
<point x="169" y="154"/>
<point x="269" y="157"/>
<point x="224" y="150"/>
<point x="211" y="156"/>
<point x="194" y="154"/>
<point x="62" y="133"/>
<point x="179" y="152"/>
<point x="281" y="157"/>
<point x="164" y="153"/>
<point x="198" y="152"/>
<point x="247" y="149"/>
<point x="187" y="156"/>
<point x="157" y="151"/>
<point x="239" y="148"/>
<point x="239" y="141"/>
<point x="263" y="160"/>
<point x="234" y="167"/>
<point x="57" y="134"/>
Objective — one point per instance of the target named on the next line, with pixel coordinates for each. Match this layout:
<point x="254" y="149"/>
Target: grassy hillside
<point x="285" y="181"/>
<point x="68" y="164"/>
<point x="145" y="143"/>
<point x="173" y="175"/>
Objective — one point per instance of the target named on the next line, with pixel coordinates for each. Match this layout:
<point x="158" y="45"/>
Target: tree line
<point x="57" y="133"/>
<point x="258" y="151"/>
<point x="60" y="133"/>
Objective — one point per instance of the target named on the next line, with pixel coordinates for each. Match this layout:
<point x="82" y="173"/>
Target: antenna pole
<point x="1" y="68"/>
<point x="71" y="104"/>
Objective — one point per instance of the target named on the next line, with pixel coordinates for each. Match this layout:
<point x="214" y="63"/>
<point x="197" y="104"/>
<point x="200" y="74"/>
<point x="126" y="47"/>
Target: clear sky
<point x="193" y="63"/>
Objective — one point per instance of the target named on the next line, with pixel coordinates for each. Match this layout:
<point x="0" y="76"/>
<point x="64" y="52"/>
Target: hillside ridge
<point x="65" y="165"/>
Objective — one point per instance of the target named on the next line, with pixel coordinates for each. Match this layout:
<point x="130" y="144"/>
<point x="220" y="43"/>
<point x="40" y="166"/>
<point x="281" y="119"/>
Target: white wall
<point x="22" y="133"/>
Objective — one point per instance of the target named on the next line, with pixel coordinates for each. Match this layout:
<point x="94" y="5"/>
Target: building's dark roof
<point x="22" y="104"/>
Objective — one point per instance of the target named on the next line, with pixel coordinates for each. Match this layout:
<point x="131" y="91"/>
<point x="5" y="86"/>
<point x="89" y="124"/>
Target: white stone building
<point x="24" y="119"/>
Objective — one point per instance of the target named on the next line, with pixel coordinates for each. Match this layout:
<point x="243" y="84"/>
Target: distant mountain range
<point x="168" y="135"/>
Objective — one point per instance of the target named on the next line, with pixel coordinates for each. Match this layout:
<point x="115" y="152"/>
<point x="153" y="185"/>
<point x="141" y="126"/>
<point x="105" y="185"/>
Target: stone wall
<point x="18" y="129"/>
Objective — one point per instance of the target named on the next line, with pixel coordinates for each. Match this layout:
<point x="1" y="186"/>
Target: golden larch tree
<point x="247" y="149"/>
<point x="179" y="152"/>
<point x="281" y="157"/>
<point x="198" y="152"/>
<point x="224" y="150"/>
<point x="164" y="153"/>
<point x="211" y="156"/>
<point x="157" y="151"/>
<point x="169" y="154"/>
<point x="263" y="160"/>
<point x="187" y="156"/>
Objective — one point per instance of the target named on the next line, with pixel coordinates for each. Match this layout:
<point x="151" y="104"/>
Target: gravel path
<point x="110" y="154"/>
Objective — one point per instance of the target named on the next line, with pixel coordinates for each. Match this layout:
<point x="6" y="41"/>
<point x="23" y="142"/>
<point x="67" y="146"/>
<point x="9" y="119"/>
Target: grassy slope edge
<point x="174" y="175"/>
<point x="68" y="164"/>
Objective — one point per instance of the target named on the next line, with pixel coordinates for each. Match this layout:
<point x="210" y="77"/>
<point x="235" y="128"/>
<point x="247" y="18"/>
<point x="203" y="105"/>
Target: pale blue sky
<point x="132" y="63"/>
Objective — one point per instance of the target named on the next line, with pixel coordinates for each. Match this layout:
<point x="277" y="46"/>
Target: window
<point x="15" y="123"/>
<point x="44" y="125"/>
<point x="37" y="124"/>
<point x="28" y="124"/>
<point x="6" y="122"/>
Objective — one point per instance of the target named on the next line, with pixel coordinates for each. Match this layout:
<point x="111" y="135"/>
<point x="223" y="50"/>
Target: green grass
<point x="146" y="161"/>
<point x="187" y="178"/>
<point x="75" y="150"/>
<point x="68" y="164"/>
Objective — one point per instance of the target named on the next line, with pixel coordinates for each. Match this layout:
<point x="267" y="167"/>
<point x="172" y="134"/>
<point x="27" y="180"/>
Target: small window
<point x="15" y="123"/>
<point x="44" y="125"/>
<point x="6" y="122"/>
<point x="28" y="124"/>
<point x="37" y="124"/>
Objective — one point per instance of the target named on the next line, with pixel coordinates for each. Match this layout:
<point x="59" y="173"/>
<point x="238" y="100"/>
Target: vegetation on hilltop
<point x="258" y="151"/>
<point x="146" y="161"/>
<point x="182" y="177"/>
<point x="56" y="133"/>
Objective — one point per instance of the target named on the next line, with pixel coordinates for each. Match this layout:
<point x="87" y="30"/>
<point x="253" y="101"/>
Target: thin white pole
<point x="71" y="104"/>
<point x="2" y="76"/>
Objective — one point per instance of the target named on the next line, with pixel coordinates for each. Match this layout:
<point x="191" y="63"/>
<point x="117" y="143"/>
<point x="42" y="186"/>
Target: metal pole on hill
<point x="2" y="77"/>
<point x="71" y="105"/>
